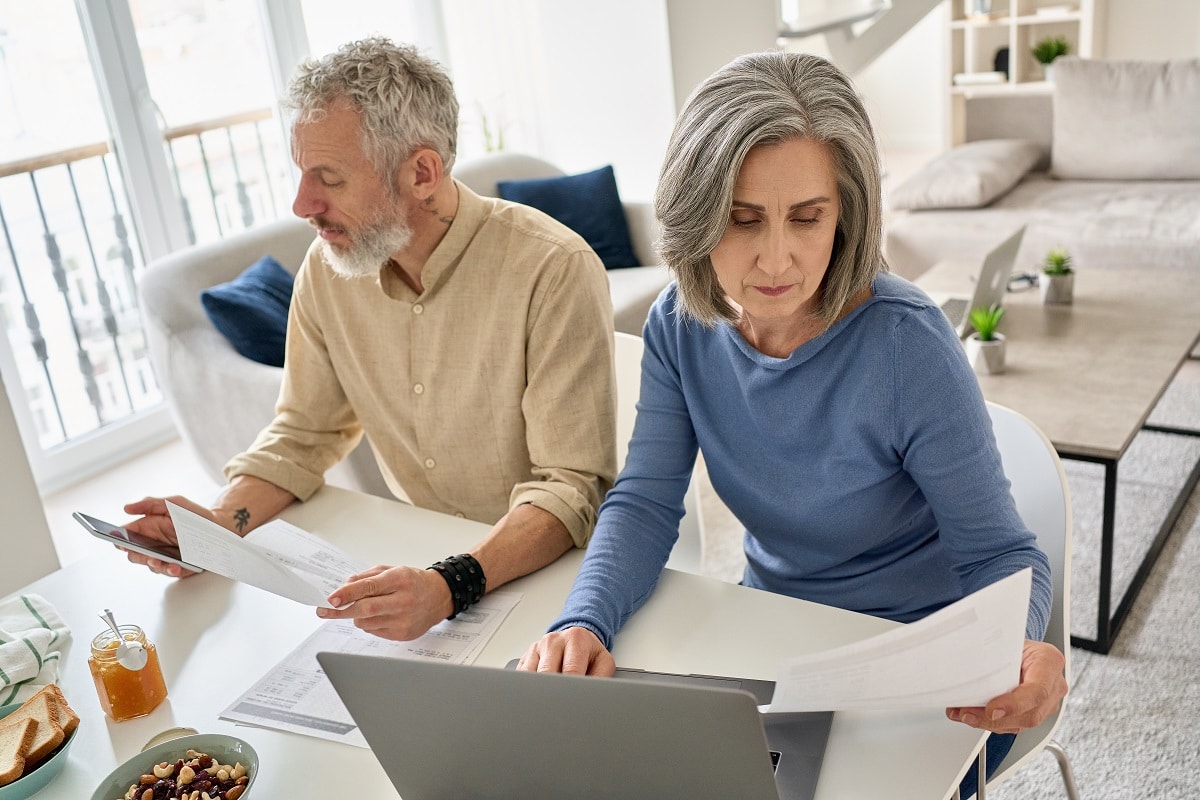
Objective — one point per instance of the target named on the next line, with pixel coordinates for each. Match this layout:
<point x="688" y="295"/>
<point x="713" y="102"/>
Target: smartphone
<point x="129" y="540"/>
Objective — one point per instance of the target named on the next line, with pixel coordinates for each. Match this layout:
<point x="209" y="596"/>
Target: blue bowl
<point x="29" y="784"/>
<point x="226" y="749"/>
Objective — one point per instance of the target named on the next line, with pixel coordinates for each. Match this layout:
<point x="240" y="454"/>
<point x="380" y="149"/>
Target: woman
<point x="837" y="414"/>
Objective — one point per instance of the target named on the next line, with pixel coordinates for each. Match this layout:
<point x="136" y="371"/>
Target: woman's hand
<point x="571" y="651"/>
<point x="1038" y="695"/>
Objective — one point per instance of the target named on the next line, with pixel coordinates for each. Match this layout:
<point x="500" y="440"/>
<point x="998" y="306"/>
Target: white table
<point x="215" y="638"/>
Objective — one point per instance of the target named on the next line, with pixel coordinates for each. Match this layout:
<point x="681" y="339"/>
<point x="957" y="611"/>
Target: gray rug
<point x="1130" y="717"/>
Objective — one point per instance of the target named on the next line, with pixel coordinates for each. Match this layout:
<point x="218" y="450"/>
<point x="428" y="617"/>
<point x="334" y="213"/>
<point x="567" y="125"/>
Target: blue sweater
<point x="863" y="467"/>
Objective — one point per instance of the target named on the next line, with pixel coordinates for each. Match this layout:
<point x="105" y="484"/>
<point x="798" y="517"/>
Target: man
<point x="469" y="338"/>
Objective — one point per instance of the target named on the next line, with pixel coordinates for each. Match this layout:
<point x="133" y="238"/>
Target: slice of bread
<point x="67" y="717"/>
<point x="42" y="707"/>
<point x="15" y="741"/>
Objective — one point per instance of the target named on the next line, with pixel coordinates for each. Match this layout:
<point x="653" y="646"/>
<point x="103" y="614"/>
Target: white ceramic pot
<point x="986" y="358"/>
<point x="1048" y="73"/>
<point x="1057" y="289"/>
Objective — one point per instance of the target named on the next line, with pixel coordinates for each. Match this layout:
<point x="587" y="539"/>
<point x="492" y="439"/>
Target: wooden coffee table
<point x="1088" y="375"/>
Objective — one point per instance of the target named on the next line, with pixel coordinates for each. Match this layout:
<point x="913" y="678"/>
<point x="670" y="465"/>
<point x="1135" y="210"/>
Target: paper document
<point x="296" y="696"/>
<point x="278" y="557"/>
<point x="963" y="655"/>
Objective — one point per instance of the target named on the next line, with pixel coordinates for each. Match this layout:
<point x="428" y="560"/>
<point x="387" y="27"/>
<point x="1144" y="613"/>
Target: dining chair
<point x="1039" y="487"/>
<point x="627" y="352"/>
<point x="30" y="549"/>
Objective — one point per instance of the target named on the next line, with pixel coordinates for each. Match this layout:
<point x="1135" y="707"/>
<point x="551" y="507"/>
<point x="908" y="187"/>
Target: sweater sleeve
<point x="639" y="520"/>
<point x="944" y="434"/>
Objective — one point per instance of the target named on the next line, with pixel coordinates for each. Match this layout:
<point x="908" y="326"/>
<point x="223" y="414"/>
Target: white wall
<point x="578" y="83"/>
<point x="1152" y="29"/>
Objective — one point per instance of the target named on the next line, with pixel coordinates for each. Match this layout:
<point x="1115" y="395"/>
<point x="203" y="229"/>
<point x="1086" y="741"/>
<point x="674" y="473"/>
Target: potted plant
<point x="985" y="346"/>
<point x="1048" y="49"/>
<point x="1057" y="281"/>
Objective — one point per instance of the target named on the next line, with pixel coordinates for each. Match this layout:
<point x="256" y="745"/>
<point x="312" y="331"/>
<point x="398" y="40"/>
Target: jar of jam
<point x="126" y="693"/>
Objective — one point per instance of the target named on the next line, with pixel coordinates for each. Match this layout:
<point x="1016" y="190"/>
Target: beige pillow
<point x="969" y="176"/>
<point x="1126" y="120"/>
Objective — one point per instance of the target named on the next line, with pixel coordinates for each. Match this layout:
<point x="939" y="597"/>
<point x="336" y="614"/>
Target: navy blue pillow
<point x="252" y="310"/>
<point x="587" y="204"/>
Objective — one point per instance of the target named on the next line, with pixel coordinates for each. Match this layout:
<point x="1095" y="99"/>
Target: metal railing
<point x="68" y="296"/>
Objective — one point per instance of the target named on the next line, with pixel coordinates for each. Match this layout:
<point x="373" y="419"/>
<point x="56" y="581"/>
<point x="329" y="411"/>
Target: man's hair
<point x="758" y="99"/>
<point x="406" y="100"/>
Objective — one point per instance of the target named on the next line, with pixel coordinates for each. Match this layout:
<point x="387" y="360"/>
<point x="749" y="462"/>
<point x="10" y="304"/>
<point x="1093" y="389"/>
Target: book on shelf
<point x="979" y="78"/>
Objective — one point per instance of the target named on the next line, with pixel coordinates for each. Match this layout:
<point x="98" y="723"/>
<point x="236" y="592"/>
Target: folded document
<point x="963" y="655"/>
<point x="278" y="557"/>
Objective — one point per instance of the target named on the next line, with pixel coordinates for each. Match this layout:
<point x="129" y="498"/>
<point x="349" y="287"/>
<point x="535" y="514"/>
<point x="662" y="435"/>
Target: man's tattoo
<point x="242" y="518"/>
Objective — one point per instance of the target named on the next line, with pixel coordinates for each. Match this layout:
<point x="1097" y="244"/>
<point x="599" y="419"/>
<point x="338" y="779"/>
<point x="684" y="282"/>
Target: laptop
<point x="990" y="285"/>
<point x="450" y="731"/>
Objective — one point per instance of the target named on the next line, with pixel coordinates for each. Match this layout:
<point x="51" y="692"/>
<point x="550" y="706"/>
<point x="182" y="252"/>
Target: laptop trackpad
<point x="799" y="739"/>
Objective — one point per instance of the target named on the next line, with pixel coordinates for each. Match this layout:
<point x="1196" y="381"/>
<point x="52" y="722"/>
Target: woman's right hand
<point x="572" y="651"/>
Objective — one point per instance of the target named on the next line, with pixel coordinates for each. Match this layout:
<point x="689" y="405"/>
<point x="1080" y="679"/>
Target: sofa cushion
<point x="969" y="176"/>
<point x="251" y="311"/>
<point x="587" y="204"/>
<point x="1126" y="120"/>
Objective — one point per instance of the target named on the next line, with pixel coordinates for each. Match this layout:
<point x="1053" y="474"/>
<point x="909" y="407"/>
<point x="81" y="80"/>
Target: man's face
<point x="358" y="215"/>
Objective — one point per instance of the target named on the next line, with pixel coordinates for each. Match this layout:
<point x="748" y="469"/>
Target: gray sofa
<point x="221" y="400"/>
<point x="1107" y="166"/>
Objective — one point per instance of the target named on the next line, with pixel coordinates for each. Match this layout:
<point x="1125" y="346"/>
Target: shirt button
<point x="419" y="388"/>
<point x="430" y="463"/>
<point x="418" y="308"/>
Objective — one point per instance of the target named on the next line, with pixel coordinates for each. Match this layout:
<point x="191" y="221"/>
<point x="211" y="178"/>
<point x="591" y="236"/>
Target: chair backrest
<point x="30" y="549"/>
<point x="627" y="355"/>
<point x="1039" y="487"/>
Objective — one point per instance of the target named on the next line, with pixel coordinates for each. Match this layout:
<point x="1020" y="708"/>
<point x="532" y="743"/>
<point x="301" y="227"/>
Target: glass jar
<point x="126" y="693"/>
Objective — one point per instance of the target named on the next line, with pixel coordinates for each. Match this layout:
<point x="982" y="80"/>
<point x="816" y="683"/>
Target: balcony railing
<point x="68" y="296"/>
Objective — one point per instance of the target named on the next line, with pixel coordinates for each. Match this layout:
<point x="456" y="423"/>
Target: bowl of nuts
<point x="210" y="765"/>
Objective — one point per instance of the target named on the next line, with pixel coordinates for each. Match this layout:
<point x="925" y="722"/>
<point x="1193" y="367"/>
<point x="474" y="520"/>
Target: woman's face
<point x="779" y="239"/>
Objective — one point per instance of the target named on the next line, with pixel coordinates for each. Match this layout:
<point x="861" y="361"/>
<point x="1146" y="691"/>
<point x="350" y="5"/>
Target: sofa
<point x="220" y="400"/>
<point x="1107" y="166"/>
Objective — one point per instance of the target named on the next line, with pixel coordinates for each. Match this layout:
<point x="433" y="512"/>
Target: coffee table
<point x="1088" y="375"/>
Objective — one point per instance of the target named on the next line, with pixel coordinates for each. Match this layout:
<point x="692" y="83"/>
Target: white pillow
<point x="1126" y="120"/>
<point x="969" y="176"/>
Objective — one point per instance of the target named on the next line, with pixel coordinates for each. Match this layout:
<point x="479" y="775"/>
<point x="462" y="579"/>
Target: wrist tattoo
<point x="241" y="518"/>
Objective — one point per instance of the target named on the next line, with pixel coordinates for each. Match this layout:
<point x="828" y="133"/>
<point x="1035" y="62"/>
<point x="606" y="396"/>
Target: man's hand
<point x="155" y="523"/>
<point x="572" y="651"/>
<point x="399" y="603"/>
<point x="1037" y="696"/>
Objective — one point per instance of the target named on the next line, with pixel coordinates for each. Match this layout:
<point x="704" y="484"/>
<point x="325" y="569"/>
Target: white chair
<point x="31" y="552"/>
<point x="1039" y="487"/>
<point x="627" y="353"/>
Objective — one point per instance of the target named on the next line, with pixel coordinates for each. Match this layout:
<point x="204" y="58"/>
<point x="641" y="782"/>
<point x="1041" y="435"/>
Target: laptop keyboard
<point x="955" y="309"/>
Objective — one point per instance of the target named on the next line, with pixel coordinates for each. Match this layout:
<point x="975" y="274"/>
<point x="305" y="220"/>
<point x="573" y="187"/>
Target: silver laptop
<point x="990" y="285"/>
<point x="451" y="731"/>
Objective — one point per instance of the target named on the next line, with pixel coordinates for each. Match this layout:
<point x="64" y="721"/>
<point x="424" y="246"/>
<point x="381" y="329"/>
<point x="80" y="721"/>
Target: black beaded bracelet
<point x="465" y="578"/>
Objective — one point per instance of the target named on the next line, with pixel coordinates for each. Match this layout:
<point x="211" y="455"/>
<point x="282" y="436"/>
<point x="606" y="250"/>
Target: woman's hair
<point x="406" y="100"/>
<point x="757" y="99"/>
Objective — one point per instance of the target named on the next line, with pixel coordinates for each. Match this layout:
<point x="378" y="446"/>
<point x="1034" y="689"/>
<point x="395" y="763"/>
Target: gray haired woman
<point x="837" y="414"/>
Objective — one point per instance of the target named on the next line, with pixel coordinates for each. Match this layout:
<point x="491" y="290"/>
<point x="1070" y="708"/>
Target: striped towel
<point x="31" y="636"/>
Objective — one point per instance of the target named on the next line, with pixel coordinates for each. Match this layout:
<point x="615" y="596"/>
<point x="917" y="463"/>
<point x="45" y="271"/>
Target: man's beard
<point x="370" y="248"/>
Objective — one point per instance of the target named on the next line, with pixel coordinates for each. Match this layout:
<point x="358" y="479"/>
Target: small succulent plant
<point x="1050" y="48"/>
<point x="1057" y="262"/>
<point x="986" y="320"/>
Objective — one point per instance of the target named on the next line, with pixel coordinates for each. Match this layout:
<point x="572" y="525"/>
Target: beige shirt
<point x="492" y="388"/>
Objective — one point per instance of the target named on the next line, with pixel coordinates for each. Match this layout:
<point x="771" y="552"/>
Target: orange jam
<point x="125" y="693"/>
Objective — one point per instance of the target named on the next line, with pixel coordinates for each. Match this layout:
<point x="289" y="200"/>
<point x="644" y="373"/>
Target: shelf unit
<point x="974" y="41"/>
